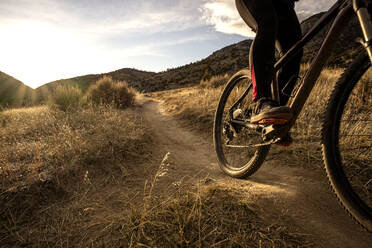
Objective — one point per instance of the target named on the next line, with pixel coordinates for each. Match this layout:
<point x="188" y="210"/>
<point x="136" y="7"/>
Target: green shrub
<point x="106" y="91"/>
<point x="66" y="97"/>
<point x="214" y="81"/>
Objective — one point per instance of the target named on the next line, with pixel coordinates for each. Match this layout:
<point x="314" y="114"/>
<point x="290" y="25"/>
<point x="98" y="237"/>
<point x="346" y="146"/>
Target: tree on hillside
<point x="207" y="74"/>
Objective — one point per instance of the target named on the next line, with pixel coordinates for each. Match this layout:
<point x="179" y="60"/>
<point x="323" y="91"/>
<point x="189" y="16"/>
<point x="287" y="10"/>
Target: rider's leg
<point x="289" y="32"/>
<point x="261" y="16"/>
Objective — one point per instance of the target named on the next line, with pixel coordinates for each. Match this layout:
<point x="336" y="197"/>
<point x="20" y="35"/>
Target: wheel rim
<point x="236" y="156"/>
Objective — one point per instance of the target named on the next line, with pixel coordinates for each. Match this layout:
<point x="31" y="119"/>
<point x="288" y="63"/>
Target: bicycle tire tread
<point x="339" y="88"/>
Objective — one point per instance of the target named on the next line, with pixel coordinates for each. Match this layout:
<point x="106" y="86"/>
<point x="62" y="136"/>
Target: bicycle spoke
<point x="238" y="145"/>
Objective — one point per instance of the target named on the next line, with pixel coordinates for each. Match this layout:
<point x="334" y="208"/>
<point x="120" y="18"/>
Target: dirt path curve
<point x="300" y="193"/>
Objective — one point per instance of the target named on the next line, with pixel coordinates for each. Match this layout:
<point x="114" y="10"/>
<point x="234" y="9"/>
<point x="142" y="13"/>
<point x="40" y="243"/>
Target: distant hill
<point x="14" y="93"/>
<point x="132" y="76"/>
<point x="227" y="60"/>
<point x="345" y="48"/>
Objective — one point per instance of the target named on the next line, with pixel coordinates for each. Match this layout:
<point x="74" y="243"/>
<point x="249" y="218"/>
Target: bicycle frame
<point x="241" y="152"/>
<point x="340" y="13"/>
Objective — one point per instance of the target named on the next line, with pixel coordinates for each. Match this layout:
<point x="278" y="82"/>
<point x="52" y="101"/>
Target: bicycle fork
<point x="360" y="8"/>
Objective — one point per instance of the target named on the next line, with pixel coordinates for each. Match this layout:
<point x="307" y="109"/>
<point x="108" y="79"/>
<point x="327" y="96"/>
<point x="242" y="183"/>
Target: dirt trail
<point x="300" y="193"/>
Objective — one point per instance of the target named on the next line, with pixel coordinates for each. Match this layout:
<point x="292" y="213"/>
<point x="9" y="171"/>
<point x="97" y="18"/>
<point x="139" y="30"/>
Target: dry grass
<point x="215" y="81"/>
<point x="53" y="163"/>
<point x="66" y="97"/>
<point x="307" y="130"/>
<point x="211" y="216"/>
<point x="75" y="179"/>
<point x="106" y="91"/>
<point x="38" y="143"/>
<point x="194" y="105"/>
<point x="102" y="207"/>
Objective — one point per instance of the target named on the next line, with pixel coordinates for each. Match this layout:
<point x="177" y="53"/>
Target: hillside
<point x="346" y="46"/>
<point x="13" y="92"/>
<point x="133" y="76"/>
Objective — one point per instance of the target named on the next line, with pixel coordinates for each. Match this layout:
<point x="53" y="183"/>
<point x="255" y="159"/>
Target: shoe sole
<point x="279" y="119"/>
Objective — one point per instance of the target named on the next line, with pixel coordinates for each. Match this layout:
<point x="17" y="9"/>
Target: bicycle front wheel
<point x="346" y="140"/>
<point x="235" y="144"/>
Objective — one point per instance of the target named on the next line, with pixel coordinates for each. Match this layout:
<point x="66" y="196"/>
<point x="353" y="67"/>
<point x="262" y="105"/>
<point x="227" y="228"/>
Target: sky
<point x="45" y="40"/>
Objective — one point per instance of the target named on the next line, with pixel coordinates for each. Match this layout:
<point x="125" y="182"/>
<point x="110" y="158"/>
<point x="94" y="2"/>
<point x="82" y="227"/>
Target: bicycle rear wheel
<point x="234" y="143"/>
<point x="347" y="140"/>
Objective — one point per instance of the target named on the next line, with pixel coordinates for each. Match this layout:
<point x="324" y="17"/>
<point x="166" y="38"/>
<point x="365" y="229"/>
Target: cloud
<point x="224" y="17"/>
<point x="103" y="17"/>
<point x="307" y="8"/>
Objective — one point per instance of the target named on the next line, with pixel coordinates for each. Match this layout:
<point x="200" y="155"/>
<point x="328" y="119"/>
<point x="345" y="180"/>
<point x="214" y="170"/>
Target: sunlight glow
<point x="30" y="48"/>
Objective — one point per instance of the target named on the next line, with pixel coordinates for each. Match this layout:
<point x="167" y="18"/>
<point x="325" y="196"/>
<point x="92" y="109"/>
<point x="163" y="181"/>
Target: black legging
<point x="276" y="24"/>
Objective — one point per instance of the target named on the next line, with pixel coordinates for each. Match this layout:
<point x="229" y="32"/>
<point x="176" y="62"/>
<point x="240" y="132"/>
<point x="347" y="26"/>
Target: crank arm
<point x="254" y="145"/>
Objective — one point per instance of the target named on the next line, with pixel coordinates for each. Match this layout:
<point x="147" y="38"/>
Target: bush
<point x="207" y="75"/>
<point x="106" y="91"/>
<point x="66" y="97"/>
<point x="215" y="81"/>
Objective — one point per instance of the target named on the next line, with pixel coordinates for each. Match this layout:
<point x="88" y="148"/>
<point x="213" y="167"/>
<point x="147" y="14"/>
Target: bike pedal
<point x="237" y="113"/>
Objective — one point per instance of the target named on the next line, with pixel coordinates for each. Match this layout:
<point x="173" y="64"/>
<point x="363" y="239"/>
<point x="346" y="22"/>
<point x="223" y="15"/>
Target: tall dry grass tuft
<point x="66" y="97"/>
<point x="210" y="216"/>
<point x="214" y="81"/>
<point x="106" y="91"/>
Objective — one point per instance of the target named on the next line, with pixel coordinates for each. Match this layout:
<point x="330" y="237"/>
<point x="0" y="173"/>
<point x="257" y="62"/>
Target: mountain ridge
<point x="13" y="92"/>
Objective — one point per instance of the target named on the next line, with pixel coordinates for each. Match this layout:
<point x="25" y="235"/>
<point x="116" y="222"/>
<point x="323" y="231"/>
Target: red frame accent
<point x="253" y="76"/>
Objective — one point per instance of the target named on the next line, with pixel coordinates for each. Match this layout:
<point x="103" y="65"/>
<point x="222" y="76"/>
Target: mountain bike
<point x="242" y="146"/>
